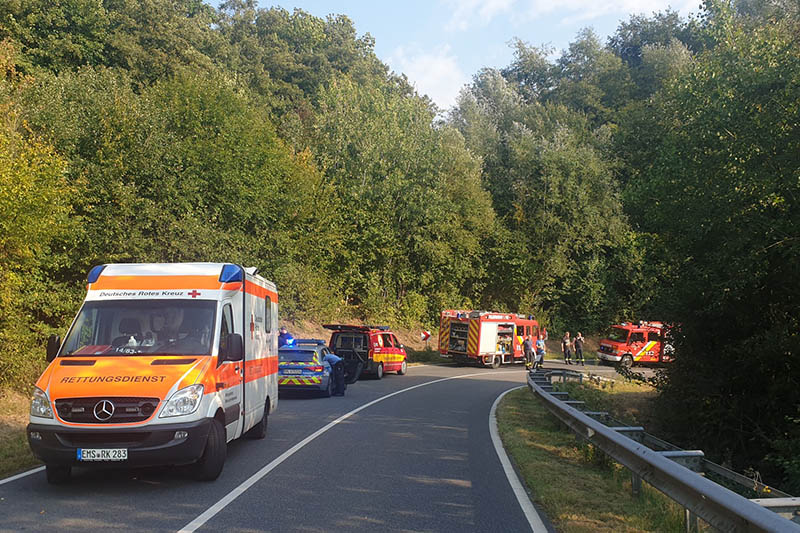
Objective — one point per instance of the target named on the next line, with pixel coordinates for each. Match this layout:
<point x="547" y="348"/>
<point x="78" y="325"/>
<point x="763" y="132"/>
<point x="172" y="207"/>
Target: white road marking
<point x="249" y="482"/>
<point x="28" y="473"/>
<point x="535" y="521"/>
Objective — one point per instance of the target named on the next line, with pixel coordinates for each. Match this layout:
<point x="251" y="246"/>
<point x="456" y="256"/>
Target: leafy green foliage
<point x="724" y="179"/>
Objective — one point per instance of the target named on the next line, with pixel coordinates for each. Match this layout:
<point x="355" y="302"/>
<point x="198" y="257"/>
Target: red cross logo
<point x="194" y="293"/>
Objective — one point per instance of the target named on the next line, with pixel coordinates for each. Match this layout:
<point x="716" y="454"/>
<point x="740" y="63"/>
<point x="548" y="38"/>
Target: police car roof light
<point x="319" y="342"/>
<point x="94" y="273"/>
<point x="231" y="273"/>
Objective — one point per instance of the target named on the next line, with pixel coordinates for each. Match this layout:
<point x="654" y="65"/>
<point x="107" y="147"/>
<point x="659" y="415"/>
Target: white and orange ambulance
<point x="163" y="365"/>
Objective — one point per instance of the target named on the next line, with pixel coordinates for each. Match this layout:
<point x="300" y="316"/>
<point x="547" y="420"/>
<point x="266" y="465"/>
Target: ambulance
<point x="485" y="338"/>
<point x="163" y="365"/>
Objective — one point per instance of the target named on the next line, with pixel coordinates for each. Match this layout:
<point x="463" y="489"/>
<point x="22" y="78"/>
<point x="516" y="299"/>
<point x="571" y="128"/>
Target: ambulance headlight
<point x="183" y="402"/>
<point x="40" y="404"/>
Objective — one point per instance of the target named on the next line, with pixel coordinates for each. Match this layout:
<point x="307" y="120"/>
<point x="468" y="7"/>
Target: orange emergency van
<point x="163" y="365"/>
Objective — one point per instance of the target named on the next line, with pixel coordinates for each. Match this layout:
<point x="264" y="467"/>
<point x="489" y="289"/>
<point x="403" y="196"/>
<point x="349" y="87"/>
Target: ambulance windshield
<point x="131" y="327"/>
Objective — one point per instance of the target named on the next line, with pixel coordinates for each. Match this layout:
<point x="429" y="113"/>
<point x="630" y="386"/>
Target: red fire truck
<point x="636" y="343"/>
<point x="485" y="338"/>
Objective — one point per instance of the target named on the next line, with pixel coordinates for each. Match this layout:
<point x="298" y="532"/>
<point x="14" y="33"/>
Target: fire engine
<point x="636" y="343"/>
<point x="485" y="338"/>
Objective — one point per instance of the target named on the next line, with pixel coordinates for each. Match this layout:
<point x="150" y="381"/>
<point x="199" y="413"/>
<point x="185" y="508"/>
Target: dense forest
<point x="656" y="175"/>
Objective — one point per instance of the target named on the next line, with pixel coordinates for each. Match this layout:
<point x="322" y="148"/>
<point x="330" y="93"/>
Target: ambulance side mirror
<point x="53" y="344"/>
<point x="234" y="351"/>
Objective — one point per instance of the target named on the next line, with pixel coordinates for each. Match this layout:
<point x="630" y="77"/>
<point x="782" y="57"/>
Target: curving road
<point x="420" y="459"/>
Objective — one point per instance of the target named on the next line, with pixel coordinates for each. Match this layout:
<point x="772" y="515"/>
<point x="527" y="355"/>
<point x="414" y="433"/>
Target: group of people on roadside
<point x="569" y="345"/>
<point x="534" y="353"/>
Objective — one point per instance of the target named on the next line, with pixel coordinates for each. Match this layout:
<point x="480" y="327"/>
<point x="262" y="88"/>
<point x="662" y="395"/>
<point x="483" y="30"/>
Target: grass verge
<point x="577" y="486"/>
<point x="15" y="455"/>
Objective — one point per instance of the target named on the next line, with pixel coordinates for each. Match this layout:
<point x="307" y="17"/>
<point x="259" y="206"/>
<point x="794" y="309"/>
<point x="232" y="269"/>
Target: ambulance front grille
<point x="106" y="410"/>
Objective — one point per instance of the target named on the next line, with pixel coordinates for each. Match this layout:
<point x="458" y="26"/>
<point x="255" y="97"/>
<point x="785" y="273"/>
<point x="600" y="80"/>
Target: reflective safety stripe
<point x="472" y="336"/>
<point x="299" y="381"/>
<point x="647" y="347"/>
<point x="444" y="334"/>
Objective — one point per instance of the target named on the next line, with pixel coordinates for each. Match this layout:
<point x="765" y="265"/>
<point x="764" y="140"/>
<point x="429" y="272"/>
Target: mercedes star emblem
<point x="103" y="410"/>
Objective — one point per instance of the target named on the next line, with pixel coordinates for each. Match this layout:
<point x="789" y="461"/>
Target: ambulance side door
<point x="229" y="376"/>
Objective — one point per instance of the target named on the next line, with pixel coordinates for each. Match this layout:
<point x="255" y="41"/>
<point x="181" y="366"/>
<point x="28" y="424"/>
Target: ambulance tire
<point x="379" y="371"/>
<point x="403" y="368"/>
<point x="259" y="431"/>
<point x="209" y="466"/>
<point x="496" y="361"/>
<point x="627" y="361"/>
<point x="58" y="474"/>
<point x="328" y="392"/>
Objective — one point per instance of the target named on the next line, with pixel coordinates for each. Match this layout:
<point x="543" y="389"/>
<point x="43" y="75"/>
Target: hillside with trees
<point x="656" y="175"/>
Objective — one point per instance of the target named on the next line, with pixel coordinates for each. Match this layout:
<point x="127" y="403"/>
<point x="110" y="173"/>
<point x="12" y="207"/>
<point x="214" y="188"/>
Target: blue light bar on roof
<point x="231" y="273"/>
<point x="94" y="273"/>
<point x="318" y="342"/>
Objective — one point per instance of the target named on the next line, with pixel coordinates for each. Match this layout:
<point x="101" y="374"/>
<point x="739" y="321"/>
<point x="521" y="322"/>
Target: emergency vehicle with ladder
<point x="163" y="365"/>
<point x="485" y="338"/>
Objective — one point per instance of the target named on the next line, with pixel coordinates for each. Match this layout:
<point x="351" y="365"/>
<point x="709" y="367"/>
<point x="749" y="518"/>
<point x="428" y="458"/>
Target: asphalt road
<point x="420" y="460"/>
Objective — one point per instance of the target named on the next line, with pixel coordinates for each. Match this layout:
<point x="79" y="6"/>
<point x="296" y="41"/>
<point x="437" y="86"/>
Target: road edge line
<point x="223" y="502"/>
<point x="23" y="474"/>
<point x="535" y="521"/>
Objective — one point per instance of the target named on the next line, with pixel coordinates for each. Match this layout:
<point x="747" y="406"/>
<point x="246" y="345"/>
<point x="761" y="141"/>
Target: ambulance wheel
<point x="329" y="389"/>
<point x="403" y="368"/>
<point x="379" y="371"/>
<point x="209" y="466"/>
<point x="58" y="474"/>
<point x="259" y="431"/>
<point x="627" y="361"/>
<point x="496" y="362"/>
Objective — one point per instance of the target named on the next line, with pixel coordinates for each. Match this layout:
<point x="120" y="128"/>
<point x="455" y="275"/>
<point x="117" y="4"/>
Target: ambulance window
<point x="535" y="331"/>
<point x="654" y="336"/>
<point x="637" y="336"/>
<point x="395" y="341"/>
<point x="227" y="325"/>
<point x="268" y="314"/>
<point x="387" y="340"/>
<point x="520" y="331"/>
<point x="527" y="330"/>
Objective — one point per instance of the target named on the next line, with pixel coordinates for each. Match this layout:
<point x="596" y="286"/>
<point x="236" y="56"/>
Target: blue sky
<point x="441" y="44"/>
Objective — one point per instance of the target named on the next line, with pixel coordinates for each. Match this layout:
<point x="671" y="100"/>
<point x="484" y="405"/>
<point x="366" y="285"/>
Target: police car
<point x="302" y="366"/>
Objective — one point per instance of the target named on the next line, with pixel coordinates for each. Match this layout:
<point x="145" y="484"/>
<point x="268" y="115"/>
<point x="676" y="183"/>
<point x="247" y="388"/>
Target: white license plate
<point x="102" y="454"/>
<point x="292" y="371"/>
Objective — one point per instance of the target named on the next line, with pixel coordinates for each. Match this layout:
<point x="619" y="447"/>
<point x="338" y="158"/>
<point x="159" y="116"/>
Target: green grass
<point x="429" y="356"/>
<point x="15" y="455"/>
<point x="578" y="487"/>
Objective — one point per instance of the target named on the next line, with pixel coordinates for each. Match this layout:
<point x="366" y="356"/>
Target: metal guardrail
<point x="720" y="507"/>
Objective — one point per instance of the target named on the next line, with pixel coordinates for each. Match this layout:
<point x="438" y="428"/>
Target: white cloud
<point x="432" y="72"/>
<point x="574" y="11"/>
<point x="468" y="13"/>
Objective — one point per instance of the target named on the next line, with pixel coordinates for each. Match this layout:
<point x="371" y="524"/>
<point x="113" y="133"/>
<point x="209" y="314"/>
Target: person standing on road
<point x="540" y="353"/>
<point x="578" y="342"/>
<point x="337" y="373"/>
<point x="566" y="348"/>
<point x="527" y="348"/>
<point x="285" y="338"/>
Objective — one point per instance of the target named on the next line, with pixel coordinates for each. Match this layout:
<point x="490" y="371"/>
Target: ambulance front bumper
<point x="609" y="357"/>
<point x="156" y="445"/>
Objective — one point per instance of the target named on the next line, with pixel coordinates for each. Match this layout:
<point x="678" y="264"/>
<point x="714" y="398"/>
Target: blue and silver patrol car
<point x="302" y="366"/>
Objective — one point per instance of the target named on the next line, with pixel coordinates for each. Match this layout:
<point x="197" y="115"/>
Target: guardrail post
<point x="690" y="519"/>
<point x="636" y="484"/>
